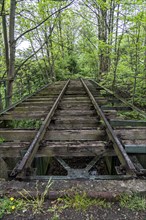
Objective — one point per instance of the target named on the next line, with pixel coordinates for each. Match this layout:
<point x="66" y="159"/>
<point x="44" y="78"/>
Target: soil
<point x="93" y="213"/>
<point x="109" y="190"/>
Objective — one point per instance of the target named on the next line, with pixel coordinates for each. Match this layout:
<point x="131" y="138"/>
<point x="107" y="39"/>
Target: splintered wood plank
<point x="13" y="149"/>
<point x="75" y="112"/>
<point x="134" y="142"/>
<point x="48" y="95"/>
<point x="118" y="123"/>
<point x="110" y="114"/>
<point x="38" y="99"/>
<point x="23" y="112"/>
<point x="52" y="91"/>
<point x="75" y="102"/>
<point x="74" y="149"/>
<point x="53" y="135"/>
<point x="23" y="115"/>
<point x="69" y="135"/>
<point x="75" y="88"/>
<point x="74" y="124"/>
<point x="76" y="98"/>
<point x="131" y="134"/>
<point x="118" y="108"/>
<point x="102" y="102"/>
<point x="75" y="119"/>
<point x="72" y="106"/>
<point x="75" y="92"/>
<point x="31" y="108"/>
<point x="36" y="103"/>
<point x="114" y="100"/>
<point x="17" y="135"/>
<point x="52" y="149"/>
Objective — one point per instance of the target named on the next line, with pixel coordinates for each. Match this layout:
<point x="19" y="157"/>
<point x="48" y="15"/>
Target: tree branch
<point x="33" y="53"/>
<point x="31" y="29"/>
<point x="3" y="6"/>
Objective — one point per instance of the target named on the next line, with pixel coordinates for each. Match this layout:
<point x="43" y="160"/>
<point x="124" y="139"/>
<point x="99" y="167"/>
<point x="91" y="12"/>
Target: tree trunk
<point x="102" y="36"/>
<point x="4" y="24"/>
<point x="12" y="43"/>
<point x="145" y="51"/>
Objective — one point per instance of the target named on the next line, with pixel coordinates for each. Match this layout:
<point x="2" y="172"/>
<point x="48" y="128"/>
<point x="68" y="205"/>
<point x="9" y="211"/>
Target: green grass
<point x="77" y="201"/>
<point x="36" y="203"/>
<point x="130" y="115"/>
<point x="133" y="202"/>
<point x="1" y="140"/>
<point x="26" y="124"/>
<point x="80" y="202"/>
<point x="28" y="202"/>
<point x="9" y="205"/>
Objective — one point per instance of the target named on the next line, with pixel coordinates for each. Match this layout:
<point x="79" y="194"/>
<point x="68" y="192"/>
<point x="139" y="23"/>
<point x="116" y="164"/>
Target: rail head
<point x="25" y="163"/>
<point x="118" y="147"/>
<point x="20" y="101"/>
<point x="128" y="104"/>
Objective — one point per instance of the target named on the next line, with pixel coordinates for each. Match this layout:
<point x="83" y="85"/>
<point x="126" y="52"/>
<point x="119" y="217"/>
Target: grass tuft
<point x="133" y="202"/>
<point x="9" y="205"/>
<point x="36" y="203"/>
<point x="80" y="202"/>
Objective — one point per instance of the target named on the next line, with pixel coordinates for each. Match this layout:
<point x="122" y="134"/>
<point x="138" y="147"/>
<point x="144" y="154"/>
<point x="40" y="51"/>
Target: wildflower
<point x="13" y="207"/>
<point x="11" y="198"/>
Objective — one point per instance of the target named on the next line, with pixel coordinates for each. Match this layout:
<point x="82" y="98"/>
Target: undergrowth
<point x="9" y="205"/>
<point x="36" y="203"/>
<point x="1" y="140"/>
<point x="133" y="202"/>
<point x="79" y="202"/>
<point x="25" y="124"/>
<point x="130" y="115"/>
<point x="76" y="201"/>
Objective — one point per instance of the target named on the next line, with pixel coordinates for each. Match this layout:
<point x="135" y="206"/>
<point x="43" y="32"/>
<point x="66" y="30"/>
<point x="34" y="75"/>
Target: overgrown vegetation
<point x="9" y="205"/>
<point x="1" y="140"/>
<point x="133" y="202"/>
<point x="130" y="115"/>
<point x="36" y="203"/>
<point x="79" y="202"/>
<point x="25" y="124"/>
<point x="104" y="40"/>
<point x="28" y="202"/>
<point x="76" y="201"/>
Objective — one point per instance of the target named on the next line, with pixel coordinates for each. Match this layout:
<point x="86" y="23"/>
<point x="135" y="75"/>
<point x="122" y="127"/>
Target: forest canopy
<point x="44" y="40"/>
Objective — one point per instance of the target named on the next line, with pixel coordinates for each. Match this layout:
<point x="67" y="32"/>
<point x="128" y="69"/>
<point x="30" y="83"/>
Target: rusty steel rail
<point x="128" y="104"/>
<point x="26" y="161"/>
<point x="22" y="100"/>
<point x="118" y="147"/>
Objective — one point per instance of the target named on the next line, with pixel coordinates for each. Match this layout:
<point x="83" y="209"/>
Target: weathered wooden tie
<point x="82" y="120"/>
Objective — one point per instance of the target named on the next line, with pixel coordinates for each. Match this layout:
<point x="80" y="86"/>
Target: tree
<point x="12" y="48"/>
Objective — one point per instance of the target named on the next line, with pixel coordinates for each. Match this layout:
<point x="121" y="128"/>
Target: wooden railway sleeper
<point x="20" y="101"/>
<point x="23" y="166"/>
<point x="127" y="104"/>
<point x="126" y="163"/>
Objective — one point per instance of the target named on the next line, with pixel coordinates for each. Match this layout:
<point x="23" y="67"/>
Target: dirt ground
<point x="93" y="213"/>
<point x="109" y="190"/>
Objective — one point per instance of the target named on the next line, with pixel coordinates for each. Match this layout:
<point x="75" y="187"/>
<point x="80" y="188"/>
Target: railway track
<point x="76" y="132"/>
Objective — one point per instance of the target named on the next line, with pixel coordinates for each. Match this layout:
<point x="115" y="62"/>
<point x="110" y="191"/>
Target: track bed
<point x="71" y="130"/>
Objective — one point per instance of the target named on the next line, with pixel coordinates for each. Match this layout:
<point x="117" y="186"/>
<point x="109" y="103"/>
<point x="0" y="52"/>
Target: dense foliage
<point x="44" y="40"/>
